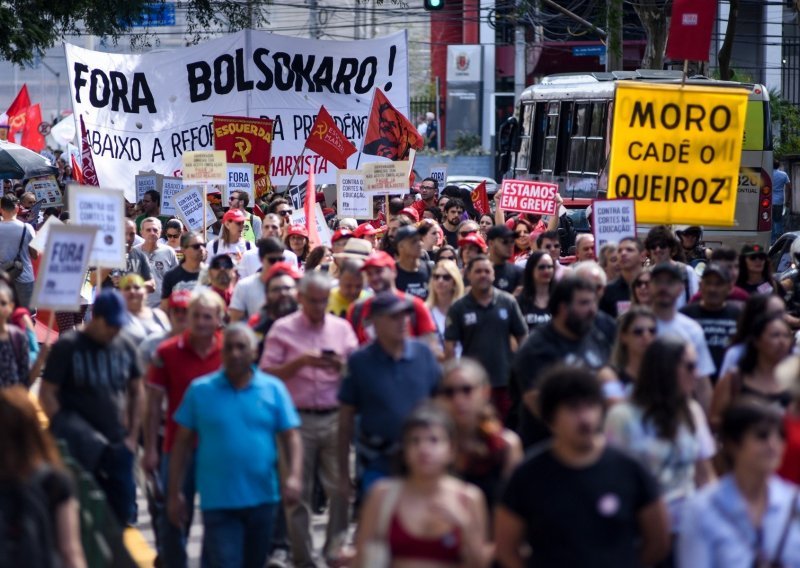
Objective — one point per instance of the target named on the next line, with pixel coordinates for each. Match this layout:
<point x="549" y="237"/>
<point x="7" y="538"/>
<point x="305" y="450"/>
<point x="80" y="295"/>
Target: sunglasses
<point x="465" y="233"/>
<point x="173" y="235"/>
<point x="274" y="259"/>
<point x="197" y="246"/>
<point x="451" y="392"/>
<point x="445" y="277"/>
<point x="640" y="331"/>
<point x="760" y="257"/>
<point x="284" y="213"/>
<point x="657" y="246"/>
<point x="641" y="283"/>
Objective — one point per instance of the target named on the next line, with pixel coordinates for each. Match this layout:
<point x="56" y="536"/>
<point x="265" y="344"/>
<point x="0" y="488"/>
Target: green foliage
<point x="786" y="139"/>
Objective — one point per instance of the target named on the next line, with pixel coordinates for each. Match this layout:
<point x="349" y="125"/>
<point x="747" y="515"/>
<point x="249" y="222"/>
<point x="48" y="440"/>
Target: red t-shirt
<point x="175" y="365"/>
<point x="419" y="324"/>
<point x="790" y="467"/>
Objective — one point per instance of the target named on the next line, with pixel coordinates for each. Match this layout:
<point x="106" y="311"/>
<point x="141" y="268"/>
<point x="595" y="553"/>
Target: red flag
<point x="480" y="199"/>
<point x="87" y="161"/>
<point x="328" y="141"/>
<point x="690" y="29"/>
<point x="17" y="112"/>
<point x="389" y="133"/>
<point x="31" y="137"/>
<point x="246" y="141"/>
<point x="77" y="173"/>
<point x="311" y="210"/>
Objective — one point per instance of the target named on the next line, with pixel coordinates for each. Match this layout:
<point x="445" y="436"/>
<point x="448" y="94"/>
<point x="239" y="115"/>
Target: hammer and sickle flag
<point x="328" y="141"/>
<point x="246" y="141"/>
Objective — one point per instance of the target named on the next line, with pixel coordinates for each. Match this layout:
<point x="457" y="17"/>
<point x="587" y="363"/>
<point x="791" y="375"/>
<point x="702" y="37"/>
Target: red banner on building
<point x="690" y="29"/>
<point x="328" y="141"/>
<point x="246" y="141"/>
<point x="389" y="133"/>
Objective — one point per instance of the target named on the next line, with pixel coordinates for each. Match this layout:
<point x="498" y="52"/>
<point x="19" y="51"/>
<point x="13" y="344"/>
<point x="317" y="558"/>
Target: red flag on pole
<point x="389" y="133"/>
<point x="690" y="29"/>
<point x="31" y="137"/>
<point x="87" y="161"/>
<point x="311" y="210"/>
<point x="480" y="199"/>
<point x="328" y="141"/>
<point x="17" y="112"/>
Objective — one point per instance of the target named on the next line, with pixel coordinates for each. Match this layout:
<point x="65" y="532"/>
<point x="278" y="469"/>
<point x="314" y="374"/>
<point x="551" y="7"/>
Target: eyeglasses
<point x="641" y="283"/>
<point x="197" y="246"/>
<point x="757" y="257"/>
<point x="426" y="187"/>
<point x="445" y="277"/>
<point x="465" y="233"/>
<point x="640" y="331"/>
<point x="451" y="392"/>
<point x="233" y="198"/>
<point x="237" y="223"/>
<point x="285" y="213"/>
<point x="173" y="235"/>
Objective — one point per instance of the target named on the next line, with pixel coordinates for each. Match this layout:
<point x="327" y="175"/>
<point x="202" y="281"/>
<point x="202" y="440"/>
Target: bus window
<point x="551" y="138"/>
<point x="577" y="143"/>
<point x="595" y="142"/>
<point x="539" y="121"/>
<point x="523" y="156"/>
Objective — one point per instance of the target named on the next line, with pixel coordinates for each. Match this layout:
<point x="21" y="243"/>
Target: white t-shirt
<point x="685" y="328"/>
<point x="248" y="295"/>
<point x="235" y="250"/>
<point x="10" y="235"/>
<point x="161" y="260"/>
<point x="251" y="264"/>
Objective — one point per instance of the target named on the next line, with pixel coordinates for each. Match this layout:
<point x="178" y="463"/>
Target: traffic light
<point x="434" y="4"/>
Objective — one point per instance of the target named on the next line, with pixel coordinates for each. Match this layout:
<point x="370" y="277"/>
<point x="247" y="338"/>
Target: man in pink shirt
<point x="308" y="350"/>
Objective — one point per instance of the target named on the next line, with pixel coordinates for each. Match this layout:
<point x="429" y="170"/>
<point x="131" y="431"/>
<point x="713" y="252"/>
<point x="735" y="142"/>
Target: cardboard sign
<point x="46" y="190"/>
<point x="351" y="201"/>
<point x="241" y="177"/>
<point x="386" y="177"/>
<point x="189" y="204"/>
<point x="534" y="197"/>
<point x="40" y="240"/>
<point x="169" y="188"/>
<point x="209" y="166"/>
<point x="145" y="183"/>
<point x="299" y="218"/>
<point x="612" y="221"/>
<point x="439" y="173"/>
<point x="62" y="271"/>
<point x="676" y="151"/>
<point x="103" y="208"/>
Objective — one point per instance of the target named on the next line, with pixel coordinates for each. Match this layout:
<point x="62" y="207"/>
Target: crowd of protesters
<point x="463" y="389"/>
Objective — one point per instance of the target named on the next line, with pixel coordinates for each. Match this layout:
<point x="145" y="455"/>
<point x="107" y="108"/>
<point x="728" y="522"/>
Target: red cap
<point x="320" y="197"/>
<point x="365" y="230"/>
<point x="411" y="213"/>
<point x="180" y="299"/>
<point x="297" y="230"/>
<point x="378" y="259"/>
<point x="339" y="234"/>
<point x="236" y="215"/>
<point x="280" y="268"/>
<point x="473" y="239"/>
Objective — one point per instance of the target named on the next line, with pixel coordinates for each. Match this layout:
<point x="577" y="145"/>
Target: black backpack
<point x="26" y="527"/>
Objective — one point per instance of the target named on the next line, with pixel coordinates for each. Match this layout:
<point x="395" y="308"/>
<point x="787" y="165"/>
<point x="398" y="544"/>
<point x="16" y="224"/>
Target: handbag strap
<point x="21" y="240"/>
<point x="387" y="506"/>
<point x="786" y="526"/>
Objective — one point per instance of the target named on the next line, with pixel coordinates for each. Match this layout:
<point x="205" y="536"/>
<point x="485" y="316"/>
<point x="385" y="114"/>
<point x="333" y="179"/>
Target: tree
<point x="655" y="16"/>
<point x="725" y="52"/>
<point x="28" y="27"/>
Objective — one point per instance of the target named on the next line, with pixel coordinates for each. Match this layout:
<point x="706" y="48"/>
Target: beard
<point x="285" y="307"/>
<point x="578" y="325"/>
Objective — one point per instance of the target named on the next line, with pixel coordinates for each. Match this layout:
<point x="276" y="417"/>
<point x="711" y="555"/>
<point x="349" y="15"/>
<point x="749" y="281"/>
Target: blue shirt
<point x="236" y="453"/>
<point x="717" y="531"/>
<point x="779" y="181"/>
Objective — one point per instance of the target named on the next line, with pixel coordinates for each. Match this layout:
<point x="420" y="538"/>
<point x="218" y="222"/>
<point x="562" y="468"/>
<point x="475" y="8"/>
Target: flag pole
<point x="294" y="170"/>
<point x="369" y="115"/>
<point x="685" y="71"/>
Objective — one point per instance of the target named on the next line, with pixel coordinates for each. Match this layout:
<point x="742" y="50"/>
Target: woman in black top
<point x="537" y="284"/>
<point x="755" y="271"/>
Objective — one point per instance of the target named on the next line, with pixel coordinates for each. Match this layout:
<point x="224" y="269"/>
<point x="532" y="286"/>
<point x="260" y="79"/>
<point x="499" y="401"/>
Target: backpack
<point x="247" y="245"/>
<point x="26" y="529"/>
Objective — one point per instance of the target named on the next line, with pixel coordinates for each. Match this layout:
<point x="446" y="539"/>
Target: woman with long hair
<point x="445" y="252"/>
<point x="636" y="330"/>
<point x="432" y="236"/>
<point x="486" y="452"/>
<point x="29" y="456"/>
<point x="609" y="260"/>
<point x="320" y="258"/>
<point x="664" y="426"/>
<point x="173" y="229"/>
<point x="485" y="222"/>
<point x="755" y="271"/>
<point x="297" y="242"/>
<point x="231" y="239"/>
<point x="522" y="239"/>
<point x="538" y="281"/>
<point x="641" y="294"/>
<point x="755" y="307"/>
<point x="446" y="286"/>
<point x="426" y="517"/>
<point x="767" y="346"/>
<point x="141" y="321"/>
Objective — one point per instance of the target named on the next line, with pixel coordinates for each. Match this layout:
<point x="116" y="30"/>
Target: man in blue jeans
<point x="235" y="415"/>
<point x="781" y="197"/>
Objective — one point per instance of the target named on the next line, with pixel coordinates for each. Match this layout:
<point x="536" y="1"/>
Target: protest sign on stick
<point x="241" y="177"/>
<point x="103" y="208"/>
<point x="189" y="204"/>
<point x="538" y="198"/>
<point x="612" y="221"/>
<point x="62" y="271"/>
<point x="351" y="200"/>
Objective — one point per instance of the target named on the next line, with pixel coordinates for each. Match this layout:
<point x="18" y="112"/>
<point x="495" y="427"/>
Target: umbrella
<point x="17" y="162"/>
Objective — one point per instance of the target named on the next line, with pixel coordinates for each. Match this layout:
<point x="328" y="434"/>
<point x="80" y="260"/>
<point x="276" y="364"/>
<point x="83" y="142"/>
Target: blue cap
<point x="110" y="305"/>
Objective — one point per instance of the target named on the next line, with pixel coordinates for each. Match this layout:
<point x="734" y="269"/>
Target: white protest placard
<point x="189" y="205"/>
<point x="207" y="166"/>
<point x="103" y="208"/>
<point x="439" y="173"/>
<point x="241" y="177"/>
<point x="534" y="197"/>
<point x="46" y="190"/>
<point x="170" y="186"/>
<point x="62" y="271"/>
<point x="612" y="221"/>
<point x="145" y="183"/>
<point x="40" y="240"/>
<point x="299" y="218"/>
<point x="351" y="201"/>
<point x="386" y="177"/>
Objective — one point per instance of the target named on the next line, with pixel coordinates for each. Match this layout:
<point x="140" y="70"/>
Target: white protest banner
<point x="386" y="177"/>
<point x="145" y="183"/>
<point x="241" y="177"/>
<point x="612" y="221"/>
<point x="534" y="197"/>
<point x="324" y="232"/>
<point x="103" y="208"/>
<point x="46" y="190"/>
<point x="146" y="109"/>
<point x="189" y="205"/>
<point x="439" y="173"/>
<point x="351" y="201"/>
<point x="62" y="271"/>
<point x="170" y="186"/>
<point x="209" y="167"/>
<point x="40" y="240"/>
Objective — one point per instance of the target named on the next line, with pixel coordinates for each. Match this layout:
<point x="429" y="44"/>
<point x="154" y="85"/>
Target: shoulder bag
<point x="14" y="267"/>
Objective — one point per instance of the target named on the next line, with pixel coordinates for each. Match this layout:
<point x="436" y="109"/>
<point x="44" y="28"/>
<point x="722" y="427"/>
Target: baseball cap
<point x="673" y="270"/>
<point x="110" y="305"/>
<point x="499" y="232"/>
<point x="411" y="213"/>
<point x="473" y="239"/>
<point x="389" y="303"/>
<point x="180" y="299"/>
<point x="222" y="261"/>
<point x="692" y="230"/>
<point x="378" y="259"/>
<point x="405" y="233"/>
<point x="365" y="230"/>
<point x="297" y="230"/>
<point x="340" y="234"/>
<point x="281" y="268"/>
<point x="750" y="250"/>
<point x="236" y="215"/>
<point x="717" y="270"/>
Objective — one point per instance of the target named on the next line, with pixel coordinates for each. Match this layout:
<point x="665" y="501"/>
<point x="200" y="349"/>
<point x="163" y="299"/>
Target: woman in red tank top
<point x="426" y="518"/>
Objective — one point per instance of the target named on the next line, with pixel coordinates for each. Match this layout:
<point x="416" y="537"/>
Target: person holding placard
<point x="15" y="252"/>
<point x="161" y="258"/>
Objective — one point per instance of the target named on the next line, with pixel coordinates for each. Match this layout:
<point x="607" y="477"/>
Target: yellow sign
<point x="210" y="166"/>
<point x="676" y="151"/>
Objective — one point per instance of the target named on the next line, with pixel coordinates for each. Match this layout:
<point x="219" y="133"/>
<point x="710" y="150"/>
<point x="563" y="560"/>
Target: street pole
<point x="519" y="53"/>
<point x="614" y="42"/>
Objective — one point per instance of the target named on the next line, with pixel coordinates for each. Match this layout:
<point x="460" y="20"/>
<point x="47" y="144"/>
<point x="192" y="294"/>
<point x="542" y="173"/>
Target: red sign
<point x="534" y="197"/>
<point x="690" y="29"/>
<point x="328" y="141"/>
<point x="246" y="141"/>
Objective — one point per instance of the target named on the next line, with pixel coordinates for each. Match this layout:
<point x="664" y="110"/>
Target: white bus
<point x="562" y="133"/>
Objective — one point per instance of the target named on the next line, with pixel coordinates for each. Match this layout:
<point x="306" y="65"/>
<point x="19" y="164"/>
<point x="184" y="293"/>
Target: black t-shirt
<point x="533" y="314"/>
<point x="414" y="283"/>
<point x="484" y="332"/>
<point x="581" y="517"/>
<point x="616" y="292"/>
<point x="93" y="379"/>
<point x="507" y="277"/>
<point x="718" y="327"/>
<point x="178" y="279"/>
<point x="450" y="236"/>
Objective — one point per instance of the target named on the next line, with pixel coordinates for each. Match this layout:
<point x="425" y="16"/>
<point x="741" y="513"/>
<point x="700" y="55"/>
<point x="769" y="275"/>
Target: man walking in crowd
<point x="251" y="261"/>
<point x="222" y="276"/>
<point x="161" y="258"/>
<point x="92" y="393"/>
<point x="135" y="262"/>
<point x="252" y="224"/>
<point x="308" y="350"/>
<point x="429" y="193"/>
<point x="249" y="292"/>
<point x="584" y="247"/>
<point x="350" y="288"/>
<point x="507" y="276"/>
<point x="233" y="416"/>
<point x="781" y="198"/>
<point x="151" y="207"/>
<point x="413" y="275"/>
<point x="453" y="211"/>
<point x="280" y="284"/>
<point x="15" y="250"/>
<point x="185" y="275"/>
<point x="617" y="296"/>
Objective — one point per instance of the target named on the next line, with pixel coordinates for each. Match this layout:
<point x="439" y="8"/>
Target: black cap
<point x="692" y="230"/>
<point x="499" y="232"/>
<point x="749" y="250"/>
<point x="405" y="232"/>
<point x="675" y="271"/>
<point x="223" y="261"/>
<point x="389" y="303"/>
<point x="717" y="270"/>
